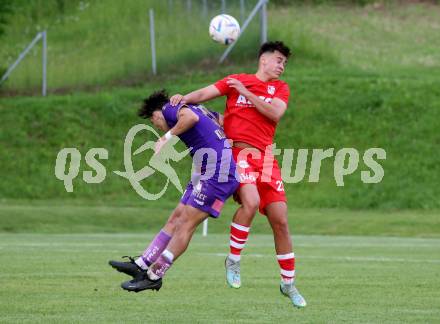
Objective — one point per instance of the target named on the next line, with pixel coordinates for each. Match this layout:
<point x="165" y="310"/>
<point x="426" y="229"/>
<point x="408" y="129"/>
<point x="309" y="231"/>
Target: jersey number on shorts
<point x="280" y="185"/>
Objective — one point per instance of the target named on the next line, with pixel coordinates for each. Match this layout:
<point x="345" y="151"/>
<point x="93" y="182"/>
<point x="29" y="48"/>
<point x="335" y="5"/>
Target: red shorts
<point x="253" y="167"/>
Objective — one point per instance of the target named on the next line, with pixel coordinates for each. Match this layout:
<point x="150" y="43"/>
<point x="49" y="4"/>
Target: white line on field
<point x="253" y="244"/>
<point x="52" y="274"/>
<point x="212" y="244"/>
<point x="309" y="238"/>
<point x="78" y="244"/>
<point x="342" y="258"/>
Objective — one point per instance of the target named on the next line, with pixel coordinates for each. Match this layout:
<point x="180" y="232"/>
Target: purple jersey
<point x="207" y="133"/>
<point x="214" y="179"/>
<point x="211" y="151"/>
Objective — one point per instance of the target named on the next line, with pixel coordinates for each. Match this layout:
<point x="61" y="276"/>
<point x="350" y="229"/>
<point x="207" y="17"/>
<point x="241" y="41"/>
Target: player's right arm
<point x="186" y="119"/>
<point x="195" y="97"/>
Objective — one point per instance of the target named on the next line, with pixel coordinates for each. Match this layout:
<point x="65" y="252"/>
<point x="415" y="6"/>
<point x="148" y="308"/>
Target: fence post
<point x="152" y="43"/>
<point x="21" y="57"/>
<point x="263" y="23"/>
<point x="188" y="5"/>
<point x="243" y="28"/>
<point x="205" y="8"/>
<point x="44" y="86"/>
<point x="205" y="227"/>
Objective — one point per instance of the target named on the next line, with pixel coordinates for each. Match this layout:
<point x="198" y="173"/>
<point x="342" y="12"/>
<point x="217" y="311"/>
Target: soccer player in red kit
<point x="255" y="104"/>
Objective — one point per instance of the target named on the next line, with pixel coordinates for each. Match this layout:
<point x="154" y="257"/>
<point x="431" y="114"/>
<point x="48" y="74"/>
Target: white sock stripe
<point x="240" y="227"/>
<point x="140" y="262"/>
<point x="167" y="254"/>
<point x="286" y="256"/>
<point x="234" y="257"/>
<point x="152" y="275"/>
<point x="288" y="273"/>
<point x="236" y="245"/>
<point x="239" y="239"/>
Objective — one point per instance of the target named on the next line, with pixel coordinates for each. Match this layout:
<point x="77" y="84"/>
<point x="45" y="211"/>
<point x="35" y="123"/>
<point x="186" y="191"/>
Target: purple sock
<point x="155" y="249"/>
<point x="161" y="265"/>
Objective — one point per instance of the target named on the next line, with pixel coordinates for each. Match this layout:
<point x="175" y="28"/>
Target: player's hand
<point x="237" y="85"/>
<point x="159" y="145"/>
<point x="176" y="99"/>
<point x="221" y="120"/>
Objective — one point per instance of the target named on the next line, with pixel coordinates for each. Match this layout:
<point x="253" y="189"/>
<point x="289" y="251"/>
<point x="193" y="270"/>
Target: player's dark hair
<point x="274" y="46"/>
<point x="154" y="102"/>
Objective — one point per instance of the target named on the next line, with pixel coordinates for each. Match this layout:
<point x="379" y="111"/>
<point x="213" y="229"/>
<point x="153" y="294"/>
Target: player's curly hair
<point x="154" y="102"/>
<point x="274" y="46"/>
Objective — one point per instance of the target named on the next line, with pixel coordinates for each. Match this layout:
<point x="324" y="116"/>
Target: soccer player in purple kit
<point x="210" y="186"/>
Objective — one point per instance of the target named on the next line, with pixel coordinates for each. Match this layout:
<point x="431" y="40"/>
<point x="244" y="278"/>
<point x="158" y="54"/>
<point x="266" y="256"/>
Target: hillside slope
<point x="356" y="87"/>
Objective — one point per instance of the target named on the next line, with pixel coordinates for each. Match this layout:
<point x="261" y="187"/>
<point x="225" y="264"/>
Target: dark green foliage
<point x="5" y="12"/>
<point x="314" y="2"/>
<point x="2" y="71"/>
<point x="61" y="4"/>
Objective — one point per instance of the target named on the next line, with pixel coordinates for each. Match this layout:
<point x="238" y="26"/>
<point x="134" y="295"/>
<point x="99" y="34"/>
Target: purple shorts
<point x="209" y="195"/>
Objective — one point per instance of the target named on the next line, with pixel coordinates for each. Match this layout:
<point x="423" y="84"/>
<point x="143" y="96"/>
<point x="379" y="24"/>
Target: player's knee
<point x="176" y="215"/>
<point x="250" y="199"/>
<point x="250" y="203"/>
<point x="185" y="221"/>
<point x="173" y="220"/>
<point x="251" y="206"/>
<point x="280" y="225"/>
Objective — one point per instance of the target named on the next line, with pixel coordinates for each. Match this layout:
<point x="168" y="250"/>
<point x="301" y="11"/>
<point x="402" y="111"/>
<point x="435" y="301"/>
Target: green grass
<point x="82" y="216"/>
<point x="397" y="39"/>
<point x="356" y="82"/>
<point x="65" y="278"/>
<point x="328" y="110"/>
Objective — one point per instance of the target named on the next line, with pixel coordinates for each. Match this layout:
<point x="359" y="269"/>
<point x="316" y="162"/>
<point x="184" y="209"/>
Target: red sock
<point x="287" y="266"/>
<point x="238" y="238"/>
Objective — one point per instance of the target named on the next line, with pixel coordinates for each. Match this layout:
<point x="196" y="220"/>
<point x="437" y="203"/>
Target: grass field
<point x="65" y="278"/>
<point x="82" y="216"/>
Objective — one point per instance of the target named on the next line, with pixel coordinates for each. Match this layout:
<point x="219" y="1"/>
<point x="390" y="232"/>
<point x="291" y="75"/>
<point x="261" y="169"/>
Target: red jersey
<point x="243" y="122"/>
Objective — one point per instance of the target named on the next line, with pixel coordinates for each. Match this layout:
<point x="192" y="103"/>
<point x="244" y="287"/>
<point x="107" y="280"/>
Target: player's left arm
<point x="186" y="119"/>
<point x="273" y="110"/>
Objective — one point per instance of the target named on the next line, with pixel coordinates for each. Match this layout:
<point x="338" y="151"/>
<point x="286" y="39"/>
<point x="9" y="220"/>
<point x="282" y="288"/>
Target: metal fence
<point x="40" y="36"/>
<point x="196" y="10"/>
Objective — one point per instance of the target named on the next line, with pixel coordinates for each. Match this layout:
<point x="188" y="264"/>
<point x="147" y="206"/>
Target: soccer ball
<point x="224" y="29"/>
